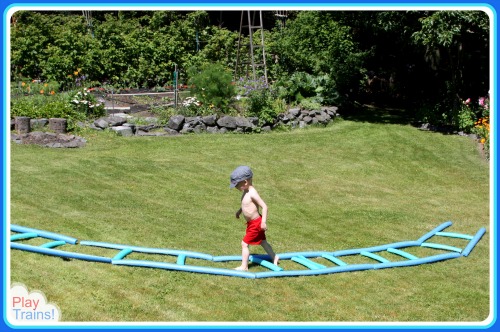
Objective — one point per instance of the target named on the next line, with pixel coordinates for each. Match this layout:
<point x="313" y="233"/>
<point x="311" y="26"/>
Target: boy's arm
<point x="260" y="202"/>
<point x="239" y="210"/>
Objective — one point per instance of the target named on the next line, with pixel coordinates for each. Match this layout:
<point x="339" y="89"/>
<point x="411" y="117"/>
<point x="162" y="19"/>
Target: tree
<point x="315" y="43"/>
<point x="457" y="48"/>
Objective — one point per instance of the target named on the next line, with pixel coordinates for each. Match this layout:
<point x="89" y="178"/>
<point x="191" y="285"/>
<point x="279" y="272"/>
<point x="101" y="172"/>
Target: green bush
<point x="212" y="86"/>
<point x="310" y="104"/>
<point x="260" y="99"/>
<point x="319" y="46"/>
<point x="301" y="85"/>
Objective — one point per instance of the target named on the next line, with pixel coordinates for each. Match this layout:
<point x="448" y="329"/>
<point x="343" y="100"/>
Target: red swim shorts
<point x="254" y="234"/>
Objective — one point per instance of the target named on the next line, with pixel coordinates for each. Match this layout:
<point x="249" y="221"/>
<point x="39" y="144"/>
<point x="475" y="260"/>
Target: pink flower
<point x="481" y="101"/>
<point x="467" y="102"/>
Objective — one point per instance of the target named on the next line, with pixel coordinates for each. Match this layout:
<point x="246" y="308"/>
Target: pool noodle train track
<point x="402" y="258"/>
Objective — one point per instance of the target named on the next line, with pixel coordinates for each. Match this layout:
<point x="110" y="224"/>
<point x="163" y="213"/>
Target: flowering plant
<point x="38" y="87"/>
<point x="481" y="126"/>
<point x="84" y="102"/>
<point x="260" y="98"/>
<point x="191" y="102"/>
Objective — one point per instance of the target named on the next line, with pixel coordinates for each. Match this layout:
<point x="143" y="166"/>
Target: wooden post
<point x="22" y="124"/>
<point x="58" y="125"/>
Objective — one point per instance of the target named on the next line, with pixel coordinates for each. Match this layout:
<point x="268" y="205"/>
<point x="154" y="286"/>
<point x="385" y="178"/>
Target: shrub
<point x="310" y="104"/>
<point x="212" y="85"/>
<point x="261" y="99"/>
<point x="301" y="85"/>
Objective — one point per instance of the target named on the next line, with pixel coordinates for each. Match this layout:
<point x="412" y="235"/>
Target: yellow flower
<point x="46" y="85"/>
<point x="23" y="84"/>
<point x="75" y="72"/>
<point x="483" y="140"/>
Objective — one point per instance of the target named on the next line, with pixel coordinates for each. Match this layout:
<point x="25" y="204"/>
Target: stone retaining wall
<point x="123" y="124"/>
<point x="179" y="124"/>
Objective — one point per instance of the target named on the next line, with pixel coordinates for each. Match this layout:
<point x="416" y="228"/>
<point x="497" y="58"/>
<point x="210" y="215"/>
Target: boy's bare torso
<point x="249" y="209"/>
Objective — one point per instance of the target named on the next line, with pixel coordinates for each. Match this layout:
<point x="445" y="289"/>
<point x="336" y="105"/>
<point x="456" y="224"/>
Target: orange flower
<point x="41" y="92"/>
<point x="483" y="140"/>
<point x="52" y="92"/>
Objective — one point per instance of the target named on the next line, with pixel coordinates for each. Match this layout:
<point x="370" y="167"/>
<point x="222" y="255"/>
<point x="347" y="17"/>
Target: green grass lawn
<point x="350" y="185"/>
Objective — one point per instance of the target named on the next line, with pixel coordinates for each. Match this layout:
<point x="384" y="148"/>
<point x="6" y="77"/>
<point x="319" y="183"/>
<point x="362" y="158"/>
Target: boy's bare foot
<point x="276" y="260"/>
<point x="241" y="268"/>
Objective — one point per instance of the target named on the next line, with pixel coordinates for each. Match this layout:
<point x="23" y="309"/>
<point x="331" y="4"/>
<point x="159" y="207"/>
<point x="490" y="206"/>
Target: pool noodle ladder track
<point x="301" y="258"/>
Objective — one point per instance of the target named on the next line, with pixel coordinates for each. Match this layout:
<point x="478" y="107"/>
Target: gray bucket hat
<point x="239" y="174"/>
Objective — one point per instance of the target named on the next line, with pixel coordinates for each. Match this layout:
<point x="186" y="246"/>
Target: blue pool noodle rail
<point x="304" y="259"/>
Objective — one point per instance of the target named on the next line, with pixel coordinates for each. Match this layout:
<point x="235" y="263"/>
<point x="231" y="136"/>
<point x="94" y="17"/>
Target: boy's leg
<point x="267" y="247"/>
<point x="245" y="254"/>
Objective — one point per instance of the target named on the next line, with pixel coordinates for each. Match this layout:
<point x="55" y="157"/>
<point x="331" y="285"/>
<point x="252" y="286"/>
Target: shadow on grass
<point x="378" y="114"/>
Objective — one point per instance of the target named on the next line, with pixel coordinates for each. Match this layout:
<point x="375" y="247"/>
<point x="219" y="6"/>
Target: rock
<point x="212" y="129"/>
<point x="15" y="138"/>
<point x="331" y="110"/>
<point x="131" y="126"/>
<point x="294" y="112"/>
<point x="254" y="120"/>
<point x="228" y="122"/>
<point x="322" y="118"/>
<point x="193" y="120"/>
<point x="171" y="131"/>
<point x="101" y="123"/>
<point x="145" y="128"/>
<point x="293" y="124"/>
<point x="210" y="120"/>
<point x="51" y="140"/>
<point x="93" y="126"/>
<point x="283" y="118"/>
<point x="187" y="130"/>
<point x="176" y="122"/>
<point x="243" y="123"/>
<point x="115" y="121"/>
<point x="307" y="119"/>
<point x="123" y="130"/>
<point x="198" y="129"/>
<point x="304" y="112"/>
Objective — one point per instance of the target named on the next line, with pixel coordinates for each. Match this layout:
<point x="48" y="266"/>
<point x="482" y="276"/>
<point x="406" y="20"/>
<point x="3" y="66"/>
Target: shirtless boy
<point x="241" y="179"/>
